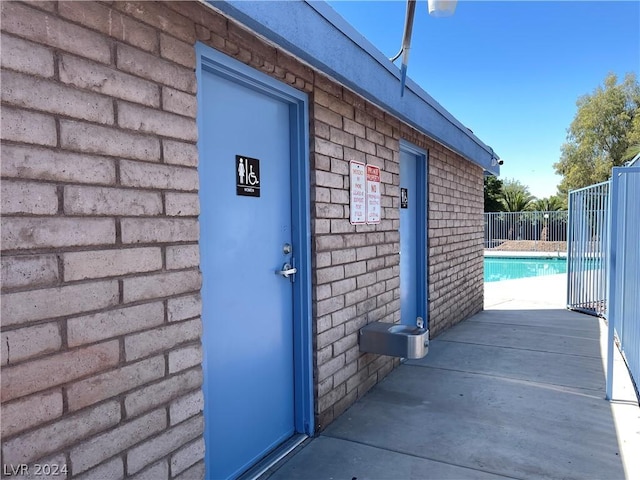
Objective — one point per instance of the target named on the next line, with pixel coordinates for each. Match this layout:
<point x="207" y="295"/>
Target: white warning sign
<point x="373" y="194"/>
<point x="357" y="205"/>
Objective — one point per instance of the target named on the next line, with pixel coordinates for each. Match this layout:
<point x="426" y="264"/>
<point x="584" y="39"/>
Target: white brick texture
<point x="30" y="411"/>
<point x="109" y="263"/>
<point x="29" y="271"/>
<point x="103" y="446"/>
<point x="27" y="57"/>
<point x="100" y="280"/>
<point x="43" y="441"/>
<point x="22" y="307"/>
<point x="29" y="198"/>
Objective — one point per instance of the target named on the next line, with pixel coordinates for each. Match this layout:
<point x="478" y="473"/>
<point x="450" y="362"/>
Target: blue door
<point x="412" y="238"/>
<point x="246" y="237"/>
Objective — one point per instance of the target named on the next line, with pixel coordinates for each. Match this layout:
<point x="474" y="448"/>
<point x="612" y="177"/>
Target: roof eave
<point x="305" y="28"/>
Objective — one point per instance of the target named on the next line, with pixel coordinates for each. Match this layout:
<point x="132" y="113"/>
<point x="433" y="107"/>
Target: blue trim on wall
<point x="422" y="198"/>
<point x="307" y="27"/>
<point x="301" y="230"/>
<point x="212" y="60"/>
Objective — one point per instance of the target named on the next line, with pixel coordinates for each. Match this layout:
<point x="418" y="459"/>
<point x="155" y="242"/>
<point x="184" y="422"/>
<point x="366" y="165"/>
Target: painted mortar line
<point x="519" y="348"/>
<point x="409" y="454"/>
<point x="545" y="331"/>
<point x="546" y="327"/>
<point x="550" y="386"/>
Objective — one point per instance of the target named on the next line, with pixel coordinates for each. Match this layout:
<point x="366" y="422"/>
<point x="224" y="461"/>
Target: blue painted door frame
<point x="413" y="177"/>
<point x="235" y="76"/>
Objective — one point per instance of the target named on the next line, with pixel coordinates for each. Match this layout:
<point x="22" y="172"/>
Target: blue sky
<point x="511" y="71"/>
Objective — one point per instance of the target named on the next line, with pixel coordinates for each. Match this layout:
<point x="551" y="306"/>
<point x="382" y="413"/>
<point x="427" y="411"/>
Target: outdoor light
<point x="442" y="8"/>
<point x="437" y="8"/>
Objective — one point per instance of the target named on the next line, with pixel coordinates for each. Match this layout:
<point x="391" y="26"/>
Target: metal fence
<point x="623" y="313"/>
<point x="603" y="261"/>
<point x="526" y="231"/>
<point x="587" y="247"/>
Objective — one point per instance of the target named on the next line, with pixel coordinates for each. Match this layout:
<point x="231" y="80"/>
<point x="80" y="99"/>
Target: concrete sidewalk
<point x="517" y="391"/>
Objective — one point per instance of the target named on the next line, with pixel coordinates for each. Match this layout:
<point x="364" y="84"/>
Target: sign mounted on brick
<point x="357" y="203"/>
<point x="373" y="194"/>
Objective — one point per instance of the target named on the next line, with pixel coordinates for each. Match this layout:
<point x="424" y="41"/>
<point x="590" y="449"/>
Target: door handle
<point x="287" y="270"/>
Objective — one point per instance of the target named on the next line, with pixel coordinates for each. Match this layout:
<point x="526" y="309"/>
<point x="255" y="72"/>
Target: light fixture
<point x="437" y="8"/>
<point x="442" y="8"/>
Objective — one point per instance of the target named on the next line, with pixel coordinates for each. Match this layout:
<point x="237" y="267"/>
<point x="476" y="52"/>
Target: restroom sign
<point x="357" y="204"/>
<point x="373" y="194"/>
<point x="404" y="198"/>
<point x="247" y="176"/>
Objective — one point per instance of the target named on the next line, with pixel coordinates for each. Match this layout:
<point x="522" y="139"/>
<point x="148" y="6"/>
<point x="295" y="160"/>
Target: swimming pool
<point x="509" y="268"/>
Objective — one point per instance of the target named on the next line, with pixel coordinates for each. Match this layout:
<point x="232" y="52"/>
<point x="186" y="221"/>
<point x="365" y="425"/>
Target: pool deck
<point x="517" y="391"/>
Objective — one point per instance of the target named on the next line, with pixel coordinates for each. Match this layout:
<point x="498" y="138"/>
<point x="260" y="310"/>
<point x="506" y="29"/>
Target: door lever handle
<point x="287" y="270"/>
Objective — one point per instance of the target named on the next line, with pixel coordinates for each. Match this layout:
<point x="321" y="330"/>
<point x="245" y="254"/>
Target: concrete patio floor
<point x="517" y="391"/>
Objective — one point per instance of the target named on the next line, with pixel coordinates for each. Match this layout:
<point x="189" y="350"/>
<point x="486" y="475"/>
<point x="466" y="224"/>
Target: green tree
<point x="492" y="194"/>
<point x="550" y="204"/>
<point x="632" y="152"/>
<point x="515" y="196"/>
<point x="606" y="124"/>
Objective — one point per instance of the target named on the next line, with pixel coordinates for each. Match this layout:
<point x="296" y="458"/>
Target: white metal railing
<point x="587" y="245"/>
<point x="526" y="231"/>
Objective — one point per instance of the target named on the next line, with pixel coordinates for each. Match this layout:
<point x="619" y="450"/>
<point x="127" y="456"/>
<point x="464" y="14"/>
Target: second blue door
<point x="412" y="238"/>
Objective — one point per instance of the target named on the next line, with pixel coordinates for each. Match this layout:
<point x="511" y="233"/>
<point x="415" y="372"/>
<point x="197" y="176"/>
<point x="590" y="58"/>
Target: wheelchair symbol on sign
<point x="252" y="179"/>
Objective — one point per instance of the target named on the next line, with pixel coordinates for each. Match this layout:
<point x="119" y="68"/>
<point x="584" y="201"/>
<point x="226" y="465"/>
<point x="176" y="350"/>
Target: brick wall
<point x="456" y="256"/>
<point x="357" y="268"/>
<point x="100" y="309"/>
<point x="455" y="232"/>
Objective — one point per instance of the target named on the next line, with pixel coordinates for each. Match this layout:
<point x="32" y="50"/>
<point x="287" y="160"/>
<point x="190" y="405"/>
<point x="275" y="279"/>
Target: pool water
<point x="504" y="268"/>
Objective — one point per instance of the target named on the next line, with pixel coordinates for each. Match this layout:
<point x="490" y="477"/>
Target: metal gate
<point x="603" y="262"/>
<point x="587" y="247"/>
<point x="623" y="313"/>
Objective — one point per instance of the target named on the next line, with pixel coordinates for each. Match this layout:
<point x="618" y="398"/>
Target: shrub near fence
<point x="526" y="231"/>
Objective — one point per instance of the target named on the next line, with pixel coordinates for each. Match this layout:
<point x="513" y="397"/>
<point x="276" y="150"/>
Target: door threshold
<point x="274" y="457"/>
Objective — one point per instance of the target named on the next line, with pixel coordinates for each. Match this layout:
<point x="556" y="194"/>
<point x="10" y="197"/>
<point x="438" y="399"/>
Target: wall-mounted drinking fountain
<point x="395" y="340"/>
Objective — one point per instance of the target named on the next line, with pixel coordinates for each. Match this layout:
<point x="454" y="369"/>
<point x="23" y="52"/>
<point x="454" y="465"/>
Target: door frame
<point x="213" y="61"/>
<point x="422" y="237"/>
